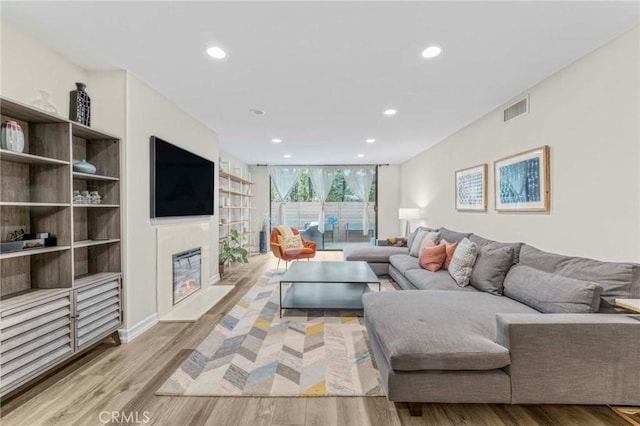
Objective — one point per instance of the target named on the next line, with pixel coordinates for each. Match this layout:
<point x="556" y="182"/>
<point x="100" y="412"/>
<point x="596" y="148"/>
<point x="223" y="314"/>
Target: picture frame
<point x="522" y="181"/>
<point x="471" y="188"/>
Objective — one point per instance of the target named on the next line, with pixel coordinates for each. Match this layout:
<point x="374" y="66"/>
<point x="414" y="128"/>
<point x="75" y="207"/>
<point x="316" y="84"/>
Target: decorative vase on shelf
<point x="80" y="105"/>
<point x="11" y="136"/>
<point x="83" y="166"/>
<point x="44" y="103"/>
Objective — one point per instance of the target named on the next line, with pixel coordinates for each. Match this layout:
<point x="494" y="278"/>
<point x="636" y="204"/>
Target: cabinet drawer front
<point x="94" y="290"/>
<point x="13" y="379"/>
<point x="87" y="303"/>
<point x="33" y="339"/>
<point x="41" y="331"/>
<point x="99" y="333"/>
<point x="98" y="312"/>
<point x="21" y="316"/>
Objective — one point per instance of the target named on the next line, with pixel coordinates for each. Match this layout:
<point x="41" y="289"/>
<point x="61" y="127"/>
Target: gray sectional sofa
<point x="492" y="341"/>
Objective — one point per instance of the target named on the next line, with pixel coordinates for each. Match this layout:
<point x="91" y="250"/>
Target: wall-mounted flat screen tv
<point x="182" y="183"/>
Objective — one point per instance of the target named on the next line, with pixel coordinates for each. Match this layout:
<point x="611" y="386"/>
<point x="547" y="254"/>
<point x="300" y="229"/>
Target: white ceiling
<point x="325" y="71"/>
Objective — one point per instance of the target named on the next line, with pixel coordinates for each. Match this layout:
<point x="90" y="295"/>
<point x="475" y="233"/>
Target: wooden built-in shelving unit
<point x="46" y="291"/>
<point x="237" y="210"/>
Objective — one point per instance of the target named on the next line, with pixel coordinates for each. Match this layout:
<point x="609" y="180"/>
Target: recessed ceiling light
<point x="431" y="52"/>
<point x="390" y="112"/>
<point x="371" y="140"/>
<point x="360" y="155"/>
<point x="257" y="111"/>
<point x="216" y="52"/>
<point x="276" y="140"/>
<point x="287" y="156"/>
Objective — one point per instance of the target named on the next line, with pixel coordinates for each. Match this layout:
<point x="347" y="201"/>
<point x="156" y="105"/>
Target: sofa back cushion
<point x="491" y="267"/>
<point x="452" y="236"/>
<point x="481" y="241"/>
<point x="618" y="280"/>
<point x="551" y="293"/>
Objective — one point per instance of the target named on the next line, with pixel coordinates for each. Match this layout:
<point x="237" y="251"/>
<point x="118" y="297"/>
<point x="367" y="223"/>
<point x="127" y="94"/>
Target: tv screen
<point x="181" y="182"/>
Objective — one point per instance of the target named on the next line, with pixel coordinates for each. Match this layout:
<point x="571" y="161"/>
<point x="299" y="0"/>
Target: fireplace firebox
<point x="186" y="274"/>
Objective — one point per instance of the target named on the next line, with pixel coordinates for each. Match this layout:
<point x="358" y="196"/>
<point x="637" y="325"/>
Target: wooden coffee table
<point x="326" y="285"/>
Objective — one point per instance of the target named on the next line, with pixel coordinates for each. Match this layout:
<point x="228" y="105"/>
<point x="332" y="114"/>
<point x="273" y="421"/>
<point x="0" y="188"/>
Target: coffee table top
<point x="330" y="272"/>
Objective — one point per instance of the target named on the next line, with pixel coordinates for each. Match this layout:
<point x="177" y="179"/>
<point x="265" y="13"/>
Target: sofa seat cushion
<point x="299" y="251"/>
<point x="439" y="330"/>
<point x="404" y="262"/>
<point x="373" y="254"/>
<point x="440" y="280"/>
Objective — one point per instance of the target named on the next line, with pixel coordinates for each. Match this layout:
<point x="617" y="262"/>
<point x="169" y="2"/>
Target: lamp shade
<point x="408" y="213"/>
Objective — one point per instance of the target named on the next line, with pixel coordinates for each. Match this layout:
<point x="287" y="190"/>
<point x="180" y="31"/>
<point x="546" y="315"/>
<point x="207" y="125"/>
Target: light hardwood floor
<point x="123" y="380"/>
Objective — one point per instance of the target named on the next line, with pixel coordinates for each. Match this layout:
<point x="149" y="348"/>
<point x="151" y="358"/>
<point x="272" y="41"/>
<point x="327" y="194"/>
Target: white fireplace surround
<point x="175" y="239"/>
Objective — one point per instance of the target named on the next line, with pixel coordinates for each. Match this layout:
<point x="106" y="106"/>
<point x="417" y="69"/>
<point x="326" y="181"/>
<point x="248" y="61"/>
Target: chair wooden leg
<point x="278" y="267"/>
<point x="415" y="409"/>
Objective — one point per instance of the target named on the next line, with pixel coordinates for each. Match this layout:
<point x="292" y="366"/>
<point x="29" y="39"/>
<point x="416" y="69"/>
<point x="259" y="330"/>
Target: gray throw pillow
<point x="462" y="262"/>
<point x="551" y="293"/>
<point x="415" y="232"/>
<point x="421" y="237"/>
<point x="491" y="267"/>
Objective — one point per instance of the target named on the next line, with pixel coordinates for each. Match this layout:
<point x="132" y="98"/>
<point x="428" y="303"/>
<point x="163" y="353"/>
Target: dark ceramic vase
<point x="80" y="105"/>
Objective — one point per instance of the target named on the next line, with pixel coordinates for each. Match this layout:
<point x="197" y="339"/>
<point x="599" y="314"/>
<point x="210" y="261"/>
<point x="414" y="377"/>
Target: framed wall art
<point x="471" y="189"/>
<point x="522" y="181"/>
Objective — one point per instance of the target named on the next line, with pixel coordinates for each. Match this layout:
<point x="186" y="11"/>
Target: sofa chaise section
<point x="429" y="349"/>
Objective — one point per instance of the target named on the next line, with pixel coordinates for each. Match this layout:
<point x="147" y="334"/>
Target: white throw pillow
<point x="462" y="262"/>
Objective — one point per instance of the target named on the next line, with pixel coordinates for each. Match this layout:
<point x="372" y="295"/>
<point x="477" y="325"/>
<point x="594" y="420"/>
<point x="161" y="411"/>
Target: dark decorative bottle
<point x="80" y="105"/>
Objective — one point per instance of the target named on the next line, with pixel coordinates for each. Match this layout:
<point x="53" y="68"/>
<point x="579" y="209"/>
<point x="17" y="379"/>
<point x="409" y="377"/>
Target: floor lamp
<point x="408" y="214"/>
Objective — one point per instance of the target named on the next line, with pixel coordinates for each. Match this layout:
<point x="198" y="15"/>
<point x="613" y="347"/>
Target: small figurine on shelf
<point x="80" y="105"/>
<point x="95" y="197"/>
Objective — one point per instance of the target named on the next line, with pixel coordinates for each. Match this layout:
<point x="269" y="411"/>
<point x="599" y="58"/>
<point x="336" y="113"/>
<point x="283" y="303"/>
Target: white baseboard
<point x="128" y="334"/>
<point x="214" y="279"/>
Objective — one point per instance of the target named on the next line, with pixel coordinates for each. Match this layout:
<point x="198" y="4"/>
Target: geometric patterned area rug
<point x="254" y="352"/>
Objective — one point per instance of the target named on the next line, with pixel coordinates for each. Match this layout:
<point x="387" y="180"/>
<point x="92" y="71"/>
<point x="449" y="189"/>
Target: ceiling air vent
<point x="516" y="109"/>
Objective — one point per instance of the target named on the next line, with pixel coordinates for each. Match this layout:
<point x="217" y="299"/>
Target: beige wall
<point x="589" y="114"/>
<point x="127" y="107"/>
<point x="29" y="66"/>
<point x="151" y="114"/>
<point x="388" y="201"/>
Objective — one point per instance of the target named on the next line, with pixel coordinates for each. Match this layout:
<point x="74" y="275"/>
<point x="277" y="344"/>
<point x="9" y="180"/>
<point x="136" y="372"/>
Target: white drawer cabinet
<point x="43" y="328"/>
<point x="98" y="311"/>
<point x="34" y="337"/>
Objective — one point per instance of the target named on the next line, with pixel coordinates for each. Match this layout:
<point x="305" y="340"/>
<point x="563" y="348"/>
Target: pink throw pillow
<point x="432" y="256"/>
<point x="450" y="249"/>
